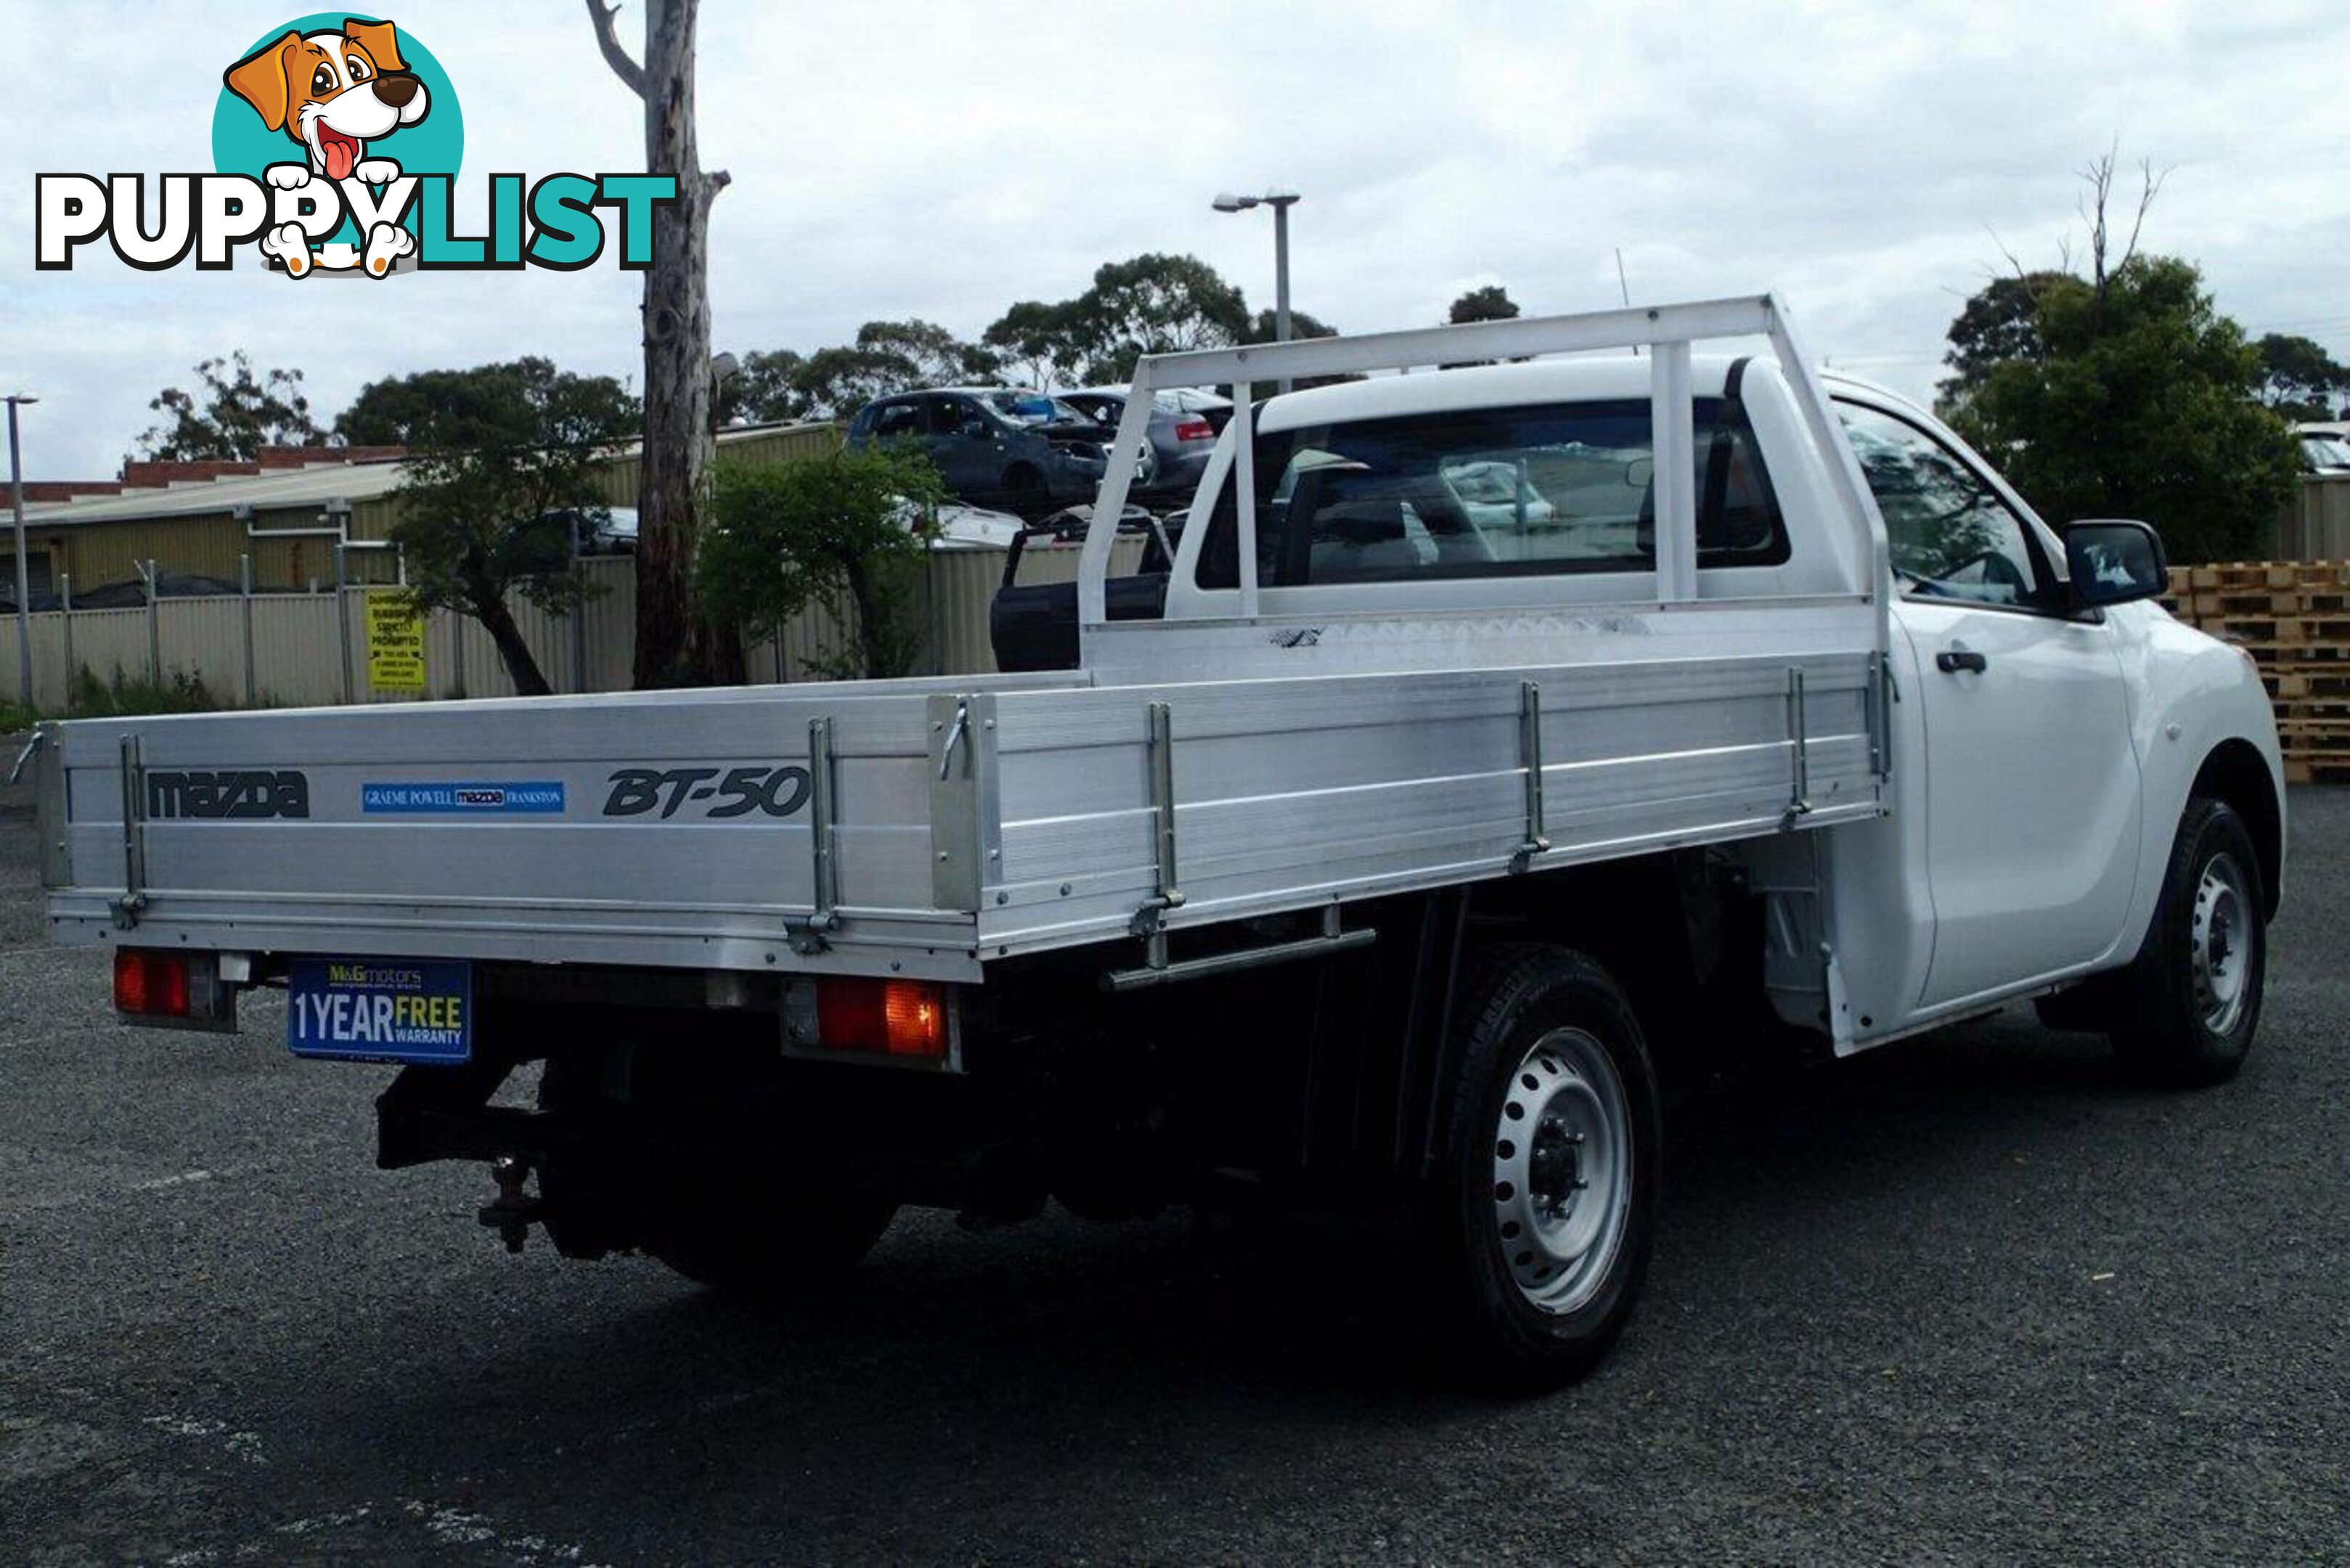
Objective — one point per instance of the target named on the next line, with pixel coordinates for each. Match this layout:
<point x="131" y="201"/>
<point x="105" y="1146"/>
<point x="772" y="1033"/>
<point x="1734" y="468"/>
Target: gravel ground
<point x="1969" y="1298"/>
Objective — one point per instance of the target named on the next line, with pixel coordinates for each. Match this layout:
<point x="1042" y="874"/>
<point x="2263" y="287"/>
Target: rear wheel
<point x="2192" y="997"/>
<point x="1544" y="1208"/>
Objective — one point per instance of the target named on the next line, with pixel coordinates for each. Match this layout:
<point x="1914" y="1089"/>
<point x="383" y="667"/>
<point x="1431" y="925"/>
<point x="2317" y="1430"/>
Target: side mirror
<point x="2114" y="562"/>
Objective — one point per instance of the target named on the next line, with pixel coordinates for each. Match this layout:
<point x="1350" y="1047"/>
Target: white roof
<point x="315" y="484"/>
<point x="1562" y="380"/>
<point x="1482" y="387"/>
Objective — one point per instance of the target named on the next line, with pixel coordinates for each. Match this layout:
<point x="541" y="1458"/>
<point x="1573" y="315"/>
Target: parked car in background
<point x="586" y="531"/>
<point x="1183" y="430"/>
<point x="1497" y="495"/>
<point x="609" y="530"/>
<point x="957" y="526"/>
<point x="2324" y="447"/>
<point x="129" y="593"/>
<point x="548" y="543"/>
<point x="996" y="446"/>
<point x="612" y="530"/>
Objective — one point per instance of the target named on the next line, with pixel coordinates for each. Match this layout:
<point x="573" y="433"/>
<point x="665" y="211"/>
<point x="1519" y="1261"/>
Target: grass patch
<point x="125" y="697"/>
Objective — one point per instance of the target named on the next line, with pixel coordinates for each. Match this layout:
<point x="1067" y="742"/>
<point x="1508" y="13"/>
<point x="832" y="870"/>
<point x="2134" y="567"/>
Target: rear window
<point x="1488" y="492"/>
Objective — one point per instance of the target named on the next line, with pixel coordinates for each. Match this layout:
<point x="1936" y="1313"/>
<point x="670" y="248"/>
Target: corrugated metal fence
<point x="300" y="651"/>
<point x="2317" y="527"/>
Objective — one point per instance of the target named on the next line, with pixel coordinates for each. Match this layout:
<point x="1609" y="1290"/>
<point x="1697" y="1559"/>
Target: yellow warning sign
<point x="395" y="637"/>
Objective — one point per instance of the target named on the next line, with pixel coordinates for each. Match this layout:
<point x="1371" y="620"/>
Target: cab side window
<point x="956" y="416"/>
<point x="1951" y="535"/>
<point x="897" y="420"/>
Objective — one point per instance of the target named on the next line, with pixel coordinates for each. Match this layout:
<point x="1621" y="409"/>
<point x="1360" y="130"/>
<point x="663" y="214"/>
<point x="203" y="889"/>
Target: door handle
<point x="1952" y="660"/>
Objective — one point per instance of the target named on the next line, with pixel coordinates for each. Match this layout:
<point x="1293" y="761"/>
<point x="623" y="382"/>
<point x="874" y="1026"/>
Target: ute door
<point x="965" y="444"/>
<point x="2031" y="795"/>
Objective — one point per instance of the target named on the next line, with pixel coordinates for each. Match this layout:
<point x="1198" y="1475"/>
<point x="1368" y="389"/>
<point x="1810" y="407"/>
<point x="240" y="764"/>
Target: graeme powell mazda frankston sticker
<point x="381" y="1010"/>
<point x="461" y="799"/>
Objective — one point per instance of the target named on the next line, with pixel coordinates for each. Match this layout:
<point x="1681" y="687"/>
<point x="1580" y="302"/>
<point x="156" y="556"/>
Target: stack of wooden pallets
<point x="2293" y="616"/>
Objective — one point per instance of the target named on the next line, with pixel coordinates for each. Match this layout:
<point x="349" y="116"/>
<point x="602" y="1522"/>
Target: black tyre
<point x="2192" y="996"/>
<point x="1544" y="1209"/>
<point x="771" y="1245"/>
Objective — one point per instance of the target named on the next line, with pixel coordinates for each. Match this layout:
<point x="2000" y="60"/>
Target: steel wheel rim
<point x="2221" y="946"/>
<point x="1561" y="1180"/>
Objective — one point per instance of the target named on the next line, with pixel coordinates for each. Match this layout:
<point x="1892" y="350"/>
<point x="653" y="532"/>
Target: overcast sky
<point x="942" y="160"/>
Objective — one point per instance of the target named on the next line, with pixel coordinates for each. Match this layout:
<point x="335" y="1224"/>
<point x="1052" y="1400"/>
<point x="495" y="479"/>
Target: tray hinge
<point x="1149" y="921"/>
<point x="1529" y="758"/>
<point x="126" y="909"/>
<point x="1799" y="786"/>
<point x="1883" y="693"/>
<point x="808" y="937"/>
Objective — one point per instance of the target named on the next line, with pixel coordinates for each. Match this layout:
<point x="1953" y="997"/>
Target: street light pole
<point x="1279" y="199"/>
<point x="24" y="577"/>
<point x="1281" y="270"/>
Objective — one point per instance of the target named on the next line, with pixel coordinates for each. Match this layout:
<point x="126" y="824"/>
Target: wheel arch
<point x="1640" y="918"/>
<point x="2236" y="773"/>
<point x="1024" y="484"/>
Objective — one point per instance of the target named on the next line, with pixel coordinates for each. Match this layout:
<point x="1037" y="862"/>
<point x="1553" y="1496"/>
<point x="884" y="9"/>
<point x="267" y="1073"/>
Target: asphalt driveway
<point x="1970" y="1297"/>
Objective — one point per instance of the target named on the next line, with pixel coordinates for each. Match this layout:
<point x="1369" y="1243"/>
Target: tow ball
<point x="514" y="1211"/>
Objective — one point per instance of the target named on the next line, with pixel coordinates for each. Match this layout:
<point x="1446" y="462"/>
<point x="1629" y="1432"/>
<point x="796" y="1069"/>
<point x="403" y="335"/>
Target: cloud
<point x="944" y="159"/>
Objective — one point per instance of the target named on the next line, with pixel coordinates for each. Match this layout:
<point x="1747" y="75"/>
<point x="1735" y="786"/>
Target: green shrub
<point x="843" y="528"/>
<point x="125" y="696"/>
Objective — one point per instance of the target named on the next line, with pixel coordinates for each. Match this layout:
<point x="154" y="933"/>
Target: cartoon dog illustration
<point x="332" y="92"/>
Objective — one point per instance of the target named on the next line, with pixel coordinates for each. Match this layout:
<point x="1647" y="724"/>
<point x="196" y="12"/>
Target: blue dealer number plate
<point x="381" y="1010"/>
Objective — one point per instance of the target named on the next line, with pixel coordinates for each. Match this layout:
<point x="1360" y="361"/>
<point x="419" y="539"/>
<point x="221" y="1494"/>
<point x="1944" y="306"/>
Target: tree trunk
<point x="522" y="665"/>
<point x="673" y="647"/>
<point x="679" y="449"/>
<point x="871" y="636"/>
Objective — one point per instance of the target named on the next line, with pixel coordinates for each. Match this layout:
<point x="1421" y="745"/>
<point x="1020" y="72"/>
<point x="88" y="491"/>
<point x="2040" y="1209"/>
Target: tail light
<point x="1194" y="428"/>
<point x="906" y="1021"/>
<point x="178" y="989"/>
<point x="150" y="984"/>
